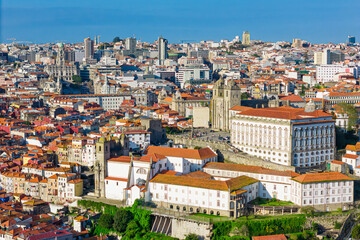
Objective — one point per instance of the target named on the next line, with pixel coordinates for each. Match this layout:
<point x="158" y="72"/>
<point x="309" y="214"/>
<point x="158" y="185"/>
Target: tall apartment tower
<point x="351" y="39"/>
<point x="246" y="38"/>
<point x="326" y="56"/>
<point x="89" y="48"/>
<point x="162" y="48"/>
<point x="130" y="44"/>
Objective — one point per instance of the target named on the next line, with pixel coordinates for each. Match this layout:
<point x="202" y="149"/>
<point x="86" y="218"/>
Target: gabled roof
<point x="202" y="153"/>
<point x="248" y="168"/>
<point x="230" y="185"/>
<point x="271" y="237"/>
<point x="352" y="156"/>
<point x="322" y="177"/>
<point x="284" y="112"/>
<point x="293" y="98"/>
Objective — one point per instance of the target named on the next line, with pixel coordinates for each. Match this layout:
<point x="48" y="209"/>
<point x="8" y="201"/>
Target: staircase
<point x="162" y="224"/>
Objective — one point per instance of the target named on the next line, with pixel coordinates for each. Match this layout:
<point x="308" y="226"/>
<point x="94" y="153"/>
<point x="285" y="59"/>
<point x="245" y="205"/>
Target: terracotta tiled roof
<point x="155" y="157"/>
<point x="322" y="177"/>
<point x="198" y="174"/>
<point x="240" y="108"/>
<point x="338" y="162"/>
<point x="203" y="153"/>
<point x="124" y="159"/>
<point x="116" y="179"/>
<point x="284" y="112"/>
<point x="352" y="156"/>
<point x="271" y="237"/>
<point x="354" y="148"/>
<point x="293" y="98"/>
<point x="230" y="185"/>
<point x="249" y="168"/>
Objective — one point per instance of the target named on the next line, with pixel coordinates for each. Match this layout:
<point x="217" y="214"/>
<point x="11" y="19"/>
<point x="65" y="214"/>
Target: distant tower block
<point x="162" y="50"/>
<point x="246" y="38"/>
<point x="351" y="39"/>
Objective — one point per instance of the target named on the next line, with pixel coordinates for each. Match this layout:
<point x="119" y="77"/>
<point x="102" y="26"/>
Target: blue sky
<point x="318" y="21"/>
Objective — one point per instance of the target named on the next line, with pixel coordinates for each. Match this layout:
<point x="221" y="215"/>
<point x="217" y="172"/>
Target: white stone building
<point x="137" y="139"/>
<point x="127" y="177"/>
<point x="352" y="158"/>
<point x="285" y="135"/>
<point x="326" y="191"/>
<point x="273" y="183"/>
<point x="326" y="73"/>
<point x="227" y="198"/>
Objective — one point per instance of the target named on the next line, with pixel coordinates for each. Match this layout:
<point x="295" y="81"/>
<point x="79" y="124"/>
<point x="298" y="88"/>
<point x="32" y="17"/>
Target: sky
<point x="42" y="21"/>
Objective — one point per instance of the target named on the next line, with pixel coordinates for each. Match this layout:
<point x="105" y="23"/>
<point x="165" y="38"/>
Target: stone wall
<point x="182" y="227"/>
<point x="327" y="221"/>
<point x="226" y="153"/>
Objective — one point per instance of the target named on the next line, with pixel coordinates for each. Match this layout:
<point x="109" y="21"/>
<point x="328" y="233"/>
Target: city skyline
<point x="66" y="21"/>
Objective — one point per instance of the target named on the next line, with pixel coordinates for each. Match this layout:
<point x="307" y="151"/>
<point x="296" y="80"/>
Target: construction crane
<point x="186" y="41"/>
<point x="27" y="42"/>
<point x="12" y="39"/>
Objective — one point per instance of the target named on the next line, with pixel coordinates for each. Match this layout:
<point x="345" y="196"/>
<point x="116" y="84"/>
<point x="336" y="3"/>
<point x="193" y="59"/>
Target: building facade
<point x="225" y="96"/>
<point x="285" y="135"/>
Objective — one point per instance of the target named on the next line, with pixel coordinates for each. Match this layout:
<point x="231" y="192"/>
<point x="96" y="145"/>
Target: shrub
<point x="106" y="221"/>
<point x="192" y="236"/>
<point x="337" y="225"/>
<point x="121" y="220"/>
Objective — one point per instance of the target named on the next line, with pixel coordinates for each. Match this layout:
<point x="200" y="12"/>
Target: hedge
<point x="260" y="227"/>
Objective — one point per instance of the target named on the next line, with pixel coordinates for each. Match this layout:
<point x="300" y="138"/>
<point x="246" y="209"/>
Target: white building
<point x="327" y="73"/>
<point x="106" y="101"/>
<point x="285" y="135"/>
<point x="196" y="74"/>
<point x="273" y="183"/>
<point x="226" y="198"/>
<point x="185" y="160"/>
<point x="137" y="139"/>
<point x="326" y="191"/>
<point x="352" y="158"/>
<point x="127" y="177"/>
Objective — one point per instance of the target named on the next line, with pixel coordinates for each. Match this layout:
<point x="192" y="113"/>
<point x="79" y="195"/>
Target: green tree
<point x="356" y="232"/>
<point x="106" y="221"/>
<point x="350" y="110"/>
<point x="132" y="229"/>
<point x="309" y="211"/>
<point x="116" y="39"/>
<point x="245" y="95"/>
<point x="192" y="236"/>
<point x="121" y="220"/>
<point x="77" y="79"/>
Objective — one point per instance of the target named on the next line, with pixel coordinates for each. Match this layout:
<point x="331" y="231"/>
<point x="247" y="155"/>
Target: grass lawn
<point x="270" y="203"/>
<point x="214" y="218"/>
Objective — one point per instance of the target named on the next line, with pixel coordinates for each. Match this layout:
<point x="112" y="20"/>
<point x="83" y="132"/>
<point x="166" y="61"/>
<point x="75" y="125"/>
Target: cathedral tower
<point x="226" y="94"/>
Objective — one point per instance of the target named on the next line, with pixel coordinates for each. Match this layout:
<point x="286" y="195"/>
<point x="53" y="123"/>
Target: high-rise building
<point x="89" y="48"/>
<point x="351" y="39"/>
<point x="328" y="57"/>
<point x="162" y="48"/>
<point x="130" y="45"/>
<point x="246" y="38"/>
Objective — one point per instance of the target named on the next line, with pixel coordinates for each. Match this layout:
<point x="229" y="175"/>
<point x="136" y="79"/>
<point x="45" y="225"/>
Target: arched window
<point x="141" y="171"/>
